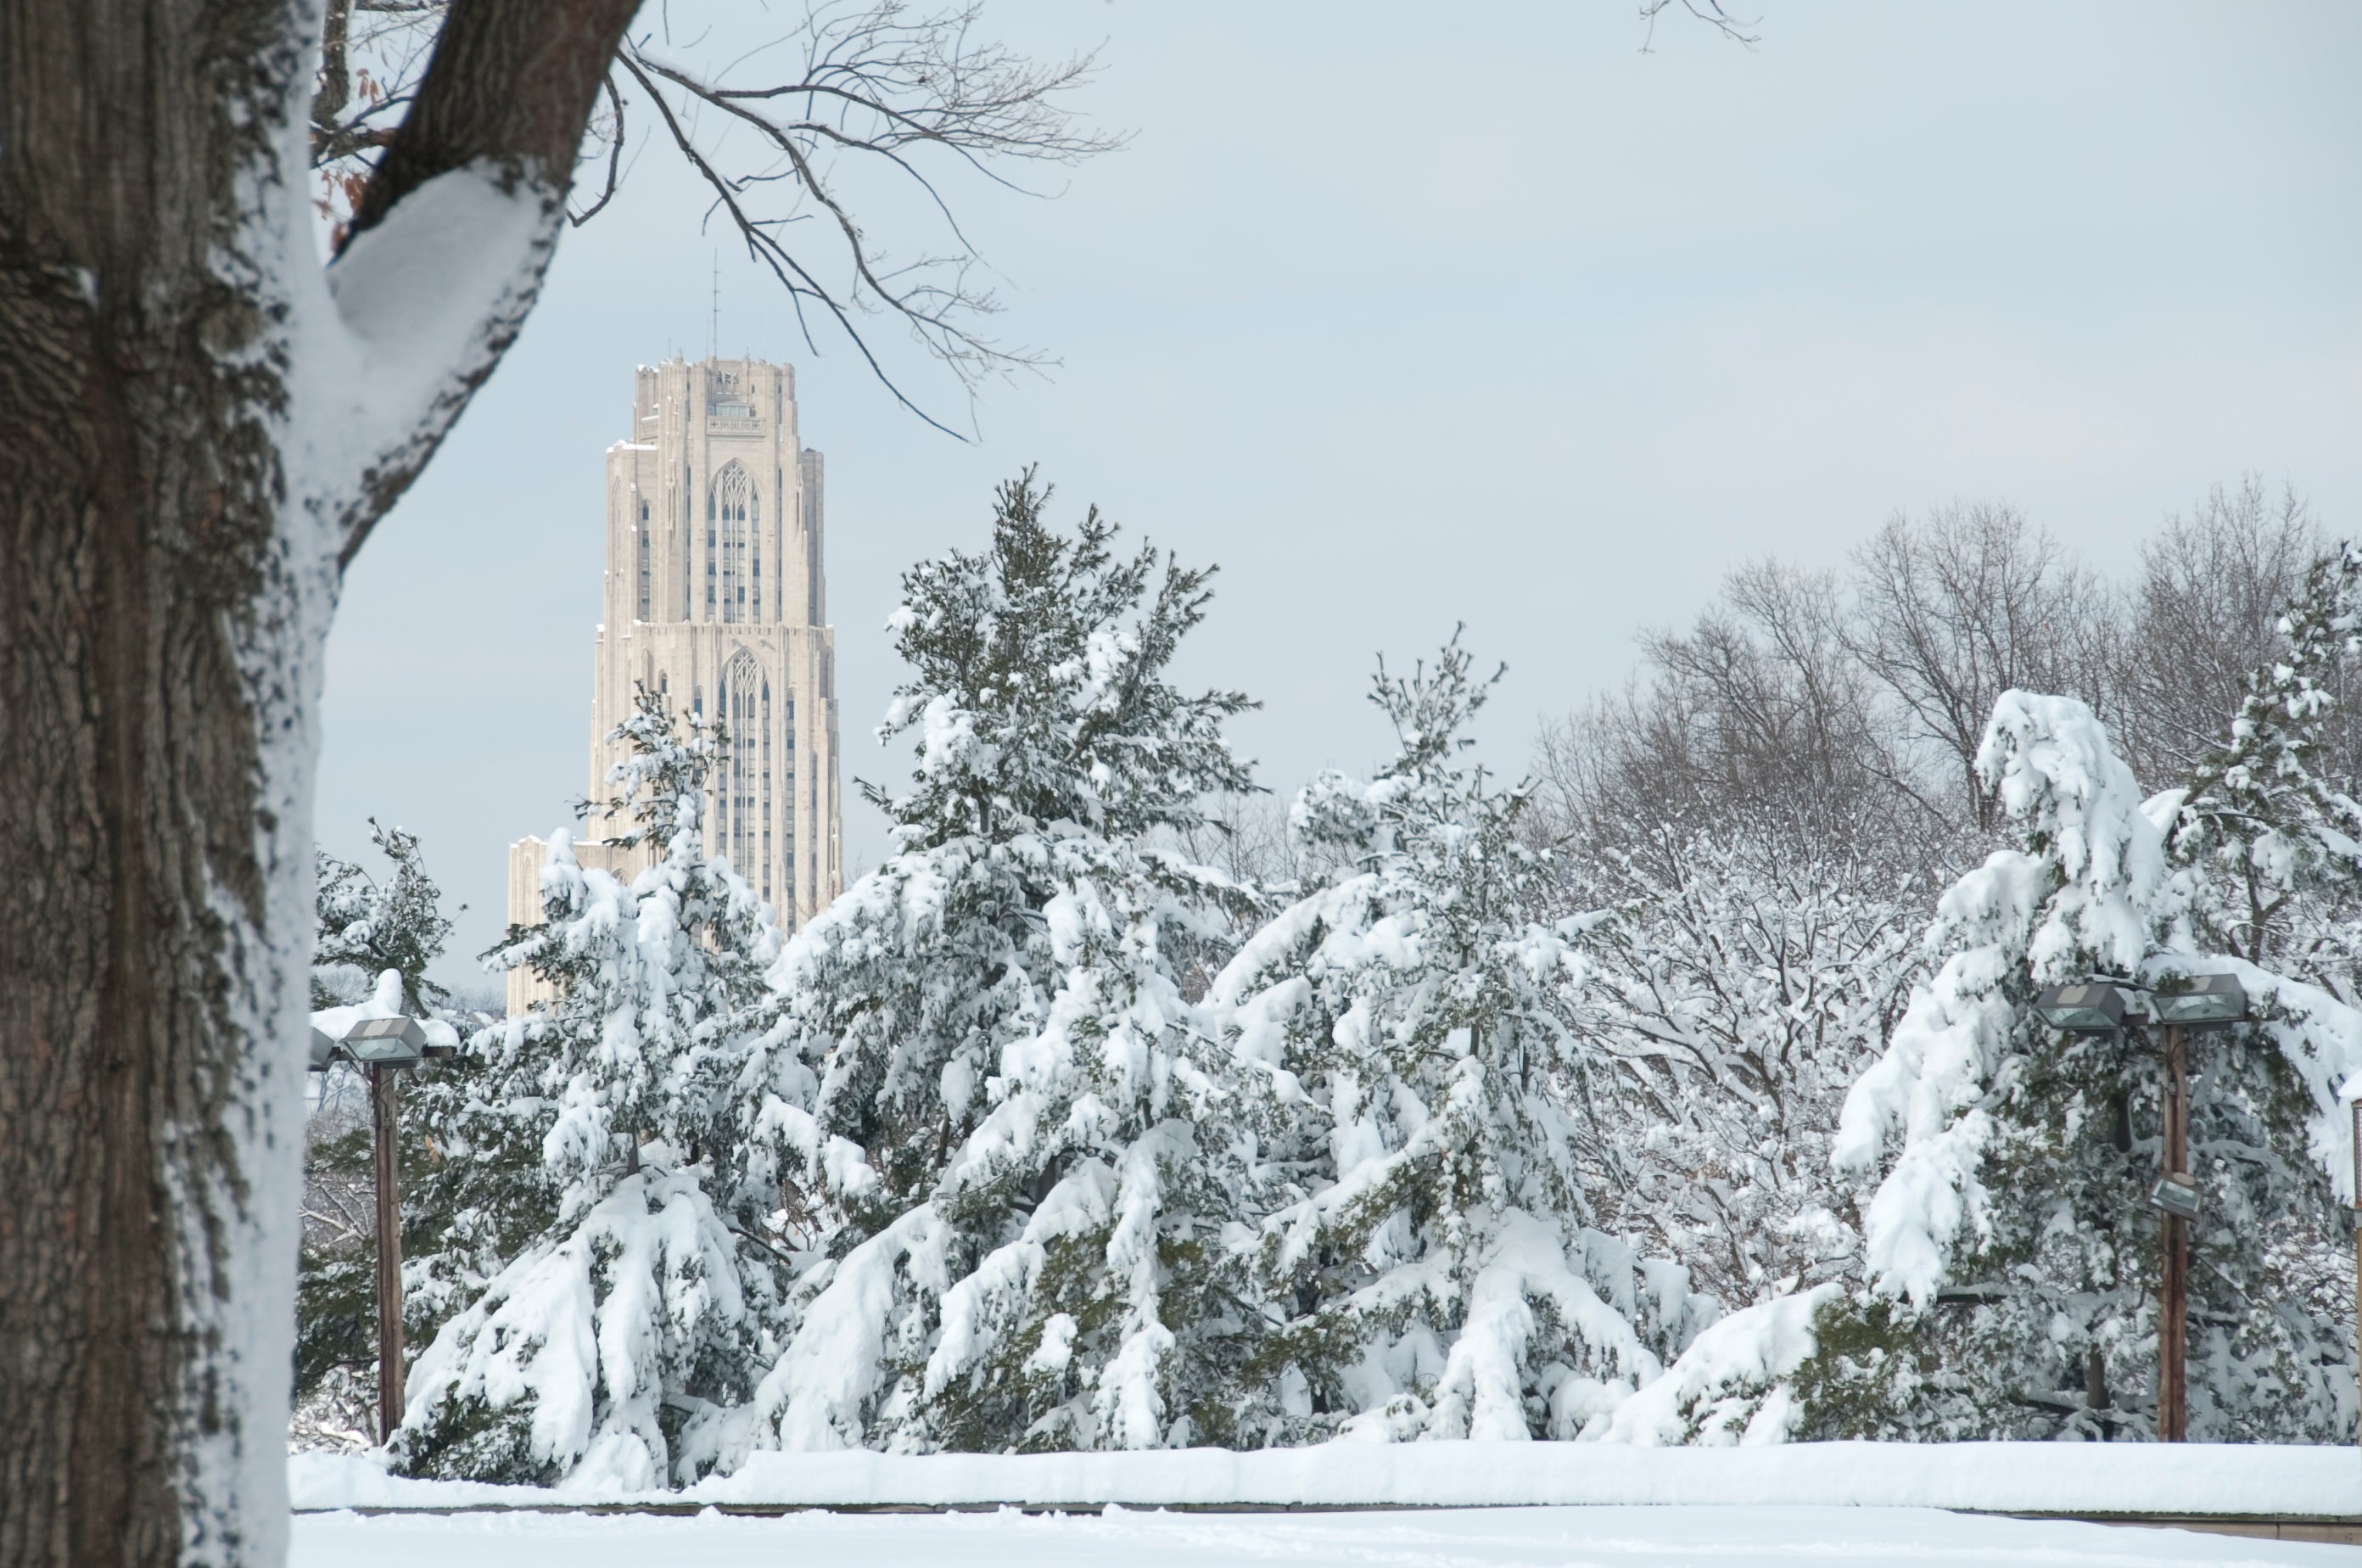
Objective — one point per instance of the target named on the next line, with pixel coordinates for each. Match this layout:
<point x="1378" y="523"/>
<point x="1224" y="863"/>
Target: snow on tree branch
<point x="921" y="98"/>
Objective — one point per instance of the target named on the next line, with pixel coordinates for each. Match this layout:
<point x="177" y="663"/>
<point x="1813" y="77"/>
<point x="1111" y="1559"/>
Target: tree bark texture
<point x="137" y="514"/>
<point x="165" y="588"/>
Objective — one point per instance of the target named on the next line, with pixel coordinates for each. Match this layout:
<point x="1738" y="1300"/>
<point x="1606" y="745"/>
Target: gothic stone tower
<point x="716" y="597"/>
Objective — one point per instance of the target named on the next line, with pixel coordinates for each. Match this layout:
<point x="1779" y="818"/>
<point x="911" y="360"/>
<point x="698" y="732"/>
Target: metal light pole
<point x="2174" y="1286"/>
<point x="385" y="1089"/>
<point x="387" y="1047"/>
<point x="2104" y="1006"/>
<point x="2208" y="1001"/>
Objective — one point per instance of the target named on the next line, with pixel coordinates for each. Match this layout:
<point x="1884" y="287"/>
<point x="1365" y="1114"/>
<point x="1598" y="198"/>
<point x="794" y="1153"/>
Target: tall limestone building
<point x="716" y="596"/>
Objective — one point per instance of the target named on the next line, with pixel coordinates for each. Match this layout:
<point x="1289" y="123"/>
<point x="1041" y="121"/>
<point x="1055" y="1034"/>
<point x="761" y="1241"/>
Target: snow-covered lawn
<point x="1559" y="1537"/>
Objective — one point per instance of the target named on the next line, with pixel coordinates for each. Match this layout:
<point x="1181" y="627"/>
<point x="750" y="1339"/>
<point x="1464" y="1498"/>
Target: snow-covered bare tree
<point x="1730" y="999"/>
<point x="1025" y="1138"/>
<point x="1956" y="609"/>
<point x="2199" y="616"/>
<point x="1426" y="1258"/>
<point x="1760" y="711"/>
<point x="1850" y="704"/>
<point x="203" y="423"/>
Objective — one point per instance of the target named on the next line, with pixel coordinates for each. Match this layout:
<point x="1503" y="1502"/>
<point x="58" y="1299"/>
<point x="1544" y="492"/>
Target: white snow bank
<point x="1506" y="1538"/>
<point x="2185" y="1478"/>
<point x="359" y="1481"/>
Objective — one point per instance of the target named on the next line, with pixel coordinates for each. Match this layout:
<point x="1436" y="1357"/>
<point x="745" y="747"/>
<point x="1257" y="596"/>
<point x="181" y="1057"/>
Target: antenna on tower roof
<point x="713" y="322"/>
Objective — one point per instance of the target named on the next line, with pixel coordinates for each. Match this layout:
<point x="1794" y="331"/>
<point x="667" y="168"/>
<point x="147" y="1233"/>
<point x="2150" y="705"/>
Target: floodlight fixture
<point x="2206" y="1001"/>
<point x="2088" y="1009"/>
<point x="396" y="1042"/>
<point x="324" y="1049"/>
<point x="2176" y="1192"/>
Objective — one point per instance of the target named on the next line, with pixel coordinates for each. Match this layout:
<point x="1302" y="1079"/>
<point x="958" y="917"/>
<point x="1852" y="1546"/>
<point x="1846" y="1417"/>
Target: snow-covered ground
<point x="2042" y="1477"/>
<point x="1560" y="1538"/>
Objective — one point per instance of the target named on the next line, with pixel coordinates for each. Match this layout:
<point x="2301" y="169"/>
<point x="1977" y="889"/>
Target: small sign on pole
<point x="2356" y="1107"/>
<point x="2176" y="1192"/>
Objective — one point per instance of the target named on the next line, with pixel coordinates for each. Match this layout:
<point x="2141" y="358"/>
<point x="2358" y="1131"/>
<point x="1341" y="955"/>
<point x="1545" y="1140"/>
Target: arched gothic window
<point x="642" y="531"/>
<point x="766" y="799"/>
<point x="734" y="518"/>
<point x="788" y="814"/>
<point x="745" y="784"/>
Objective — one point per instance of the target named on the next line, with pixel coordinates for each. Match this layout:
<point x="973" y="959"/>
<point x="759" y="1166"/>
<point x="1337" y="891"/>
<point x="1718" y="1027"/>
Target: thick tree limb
<point x="508" y="94"/>
<point x="880" y="87"/>
<point x="512" y="81"/>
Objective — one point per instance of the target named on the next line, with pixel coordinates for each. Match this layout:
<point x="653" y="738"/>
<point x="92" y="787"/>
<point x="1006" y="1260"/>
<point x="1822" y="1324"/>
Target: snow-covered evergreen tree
<point x="2277" y="844"/>
<point x="2276" y="879"/>
<point x="375" y="941"/>
<point x="985" y="1084"/>
<point x="364" y="927"/>
<point x="2012" y="1253"/>
<point x="607" y="1339"/>
<point x="1426" y="1267"/>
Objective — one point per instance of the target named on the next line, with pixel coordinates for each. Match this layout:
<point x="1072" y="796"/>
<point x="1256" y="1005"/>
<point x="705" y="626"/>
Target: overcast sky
<point x="1407" y="319"/>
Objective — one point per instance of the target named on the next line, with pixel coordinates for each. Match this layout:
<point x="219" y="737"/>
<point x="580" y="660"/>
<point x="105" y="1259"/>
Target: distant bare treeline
<point x="1847" y="705"/>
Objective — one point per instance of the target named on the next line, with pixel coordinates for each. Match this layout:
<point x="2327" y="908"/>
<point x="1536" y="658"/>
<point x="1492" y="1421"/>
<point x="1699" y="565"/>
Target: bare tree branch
<point x="790" y="272"/>
<point x="911" y="94"/>
<point x="614" y="156"/>
<point x="878" y="88"/>
<point x="1707" y="11"/>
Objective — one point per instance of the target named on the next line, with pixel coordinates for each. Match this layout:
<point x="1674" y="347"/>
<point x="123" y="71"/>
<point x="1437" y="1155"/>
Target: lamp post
<point x="387" y="1047"/>
<point x="2102" y="1007"/>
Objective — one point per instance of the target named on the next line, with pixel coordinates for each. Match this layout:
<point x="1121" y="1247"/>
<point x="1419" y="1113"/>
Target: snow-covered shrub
<point x="985" y="1088"/>
<point x="604" y="1341"/>
<point x="1427" y="1267"/>
<point x="1736" y="1384"/>
<point x="1735" y="985"/>
<point x="2012" y="1254"/>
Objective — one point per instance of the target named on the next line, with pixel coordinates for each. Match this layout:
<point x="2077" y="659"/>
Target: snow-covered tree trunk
<point x="198" y="425"/>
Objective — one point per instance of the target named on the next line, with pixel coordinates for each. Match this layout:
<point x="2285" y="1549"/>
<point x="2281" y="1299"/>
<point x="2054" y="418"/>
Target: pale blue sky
<point x="1407" y="318"/>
